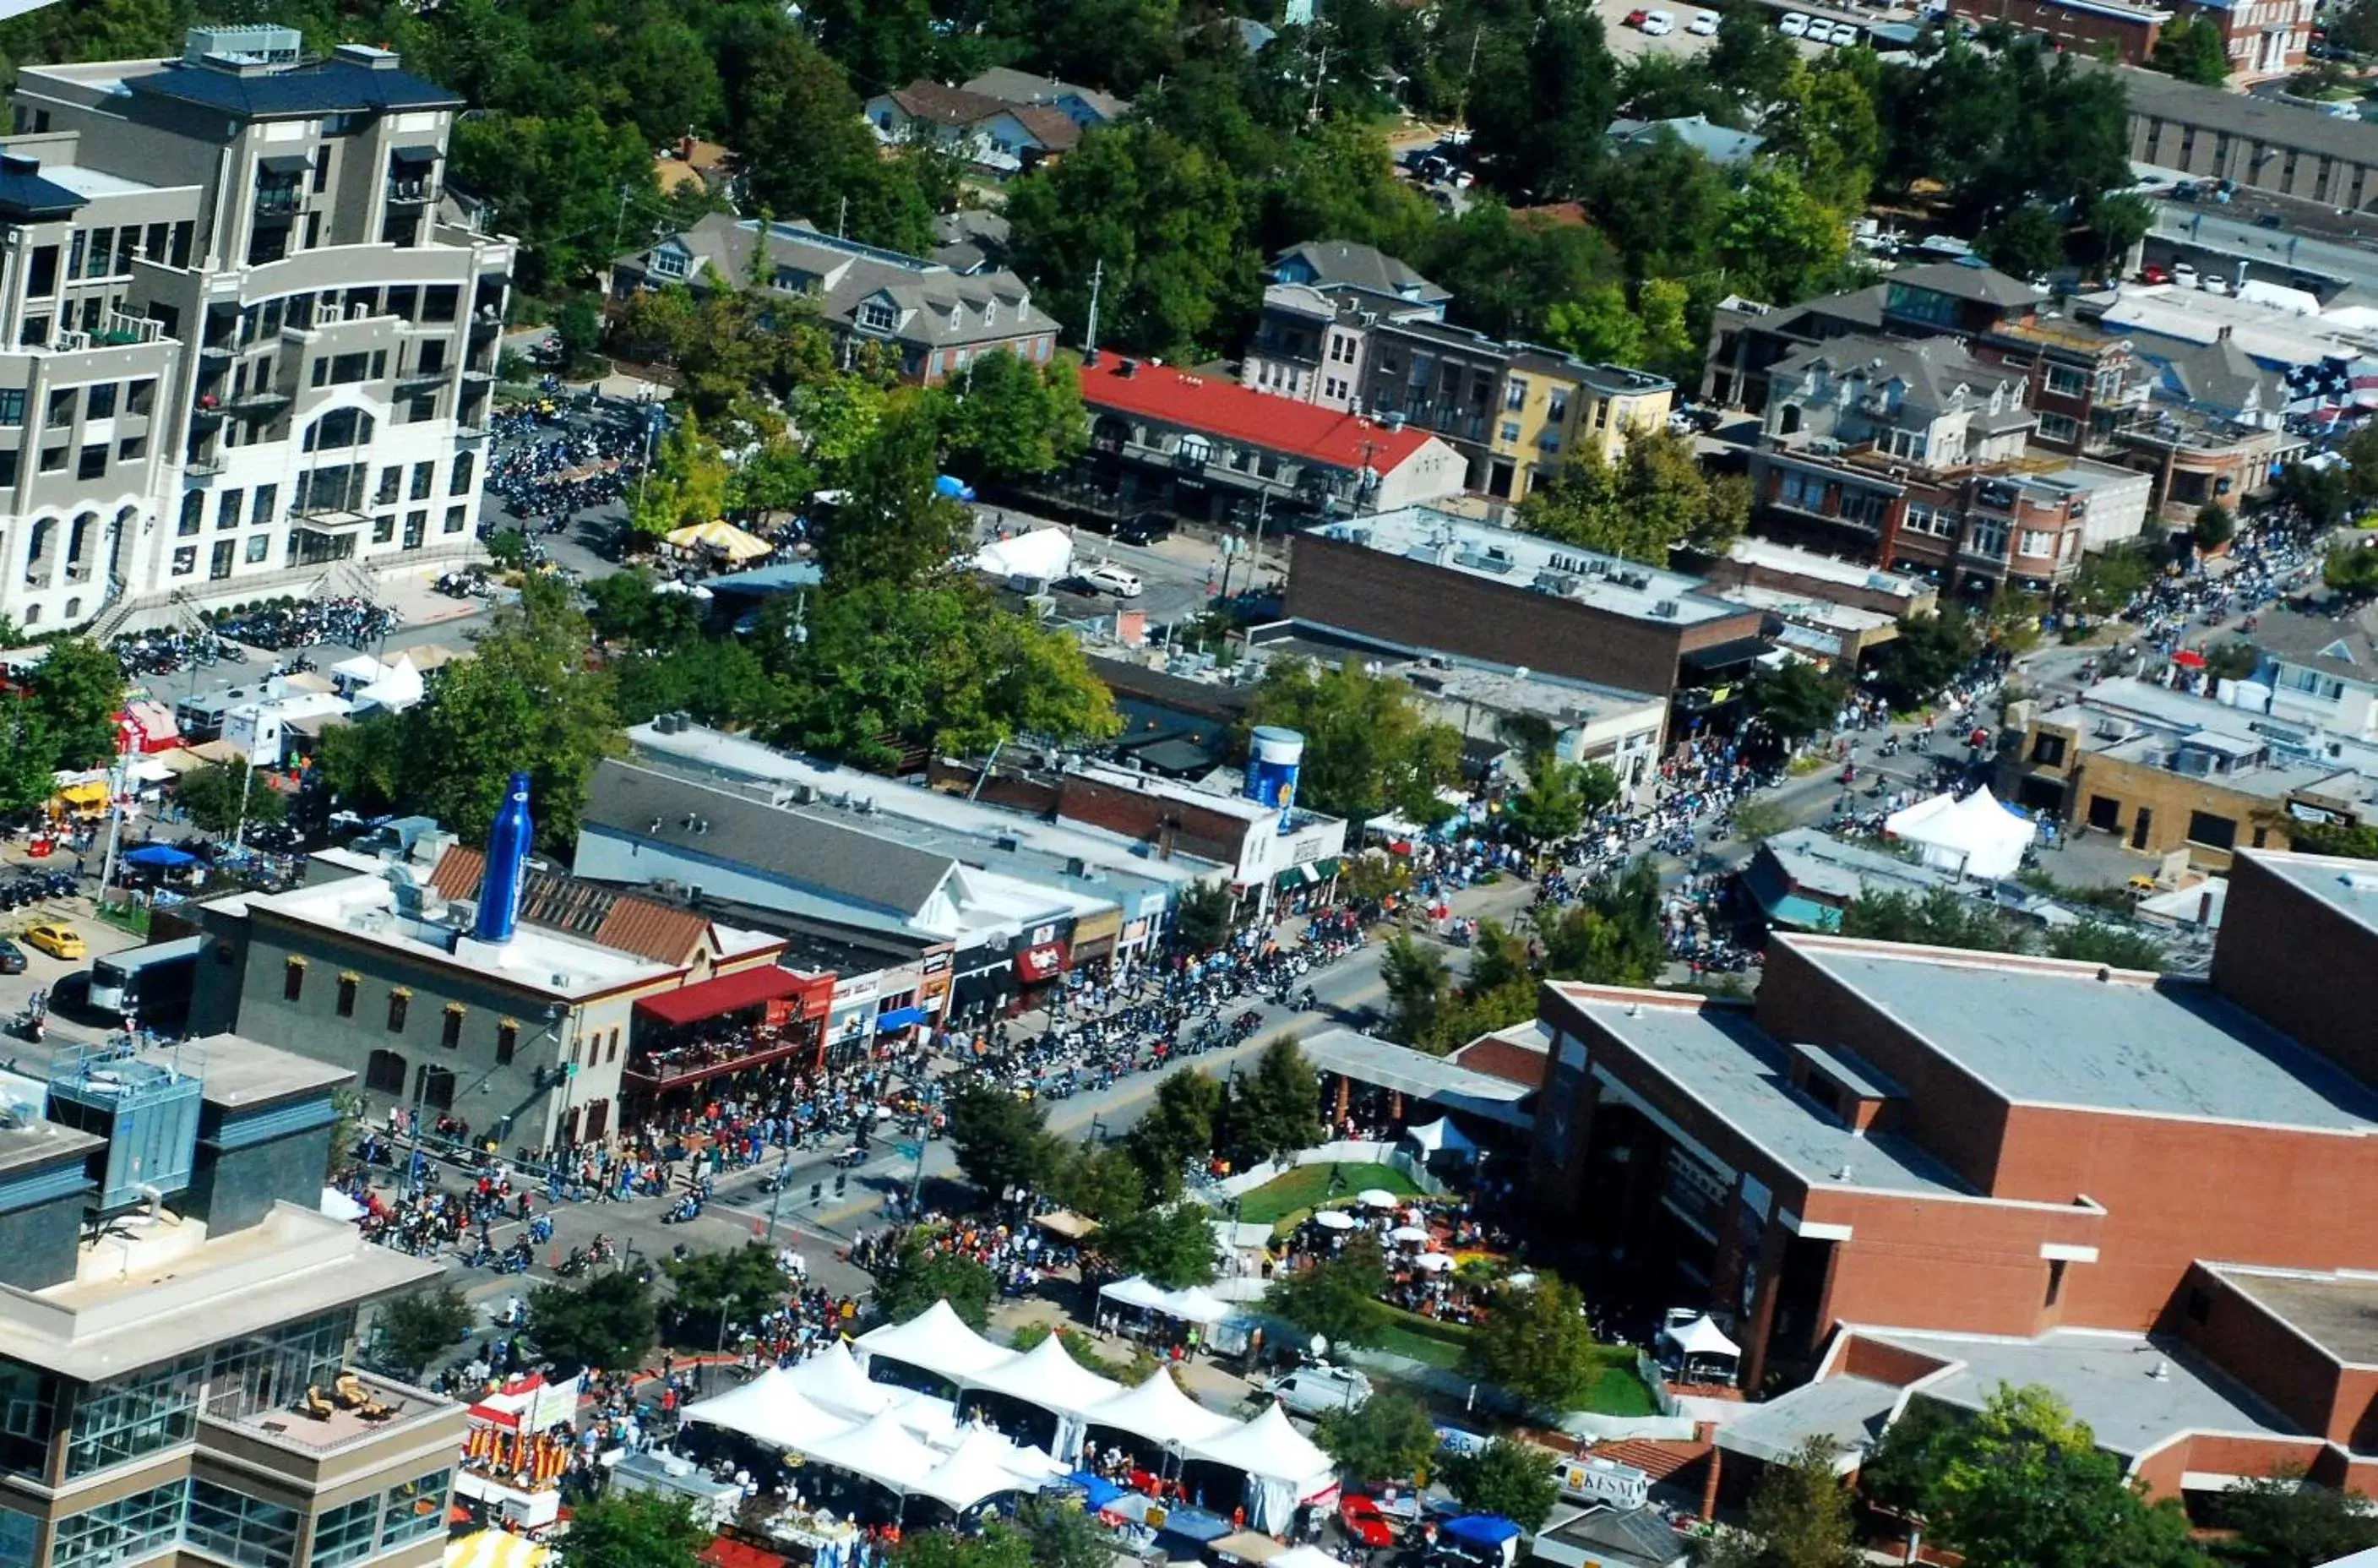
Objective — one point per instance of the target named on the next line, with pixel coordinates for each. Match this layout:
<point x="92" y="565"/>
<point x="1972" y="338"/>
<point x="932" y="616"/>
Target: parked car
<point x="58" y="940"/>
<point x="1147" y="528"/>
<point x="1659" y="24"/>
<point x="1795" y="24"/>
<point x="1636" y="18"/>
<point x="1703" y="25"/>
<point x="1364" y="1523"/>
<point x="1845" y="34"/>
<point x="1108" y="578"/>
<point x="1313" y="1391"/>
<point x="12" y="958"/>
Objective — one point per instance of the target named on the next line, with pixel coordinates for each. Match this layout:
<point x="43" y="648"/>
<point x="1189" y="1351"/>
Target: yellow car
<point x="58" y="940"/>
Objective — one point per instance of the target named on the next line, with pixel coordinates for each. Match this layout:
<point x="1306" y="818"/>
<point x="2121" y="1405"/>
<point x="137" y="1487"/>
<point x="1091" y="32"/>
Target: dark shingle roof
<point x="806" y="851"/>
<point x="1341" y="263"/>
<point x="24" y="194"/>
<point x="324" y="87"/>
<point x="944" y="105"/>
<point x="1963" y="281"/>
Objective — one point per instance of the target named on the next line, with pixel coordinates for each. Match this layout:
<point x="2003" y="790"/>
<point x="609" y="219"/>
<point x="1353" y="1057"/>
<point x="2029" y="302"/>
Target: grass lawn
<point x="1616" y="1390"/>
<point x="1424" y="1339"/>
<point x="1294" y="1193"/>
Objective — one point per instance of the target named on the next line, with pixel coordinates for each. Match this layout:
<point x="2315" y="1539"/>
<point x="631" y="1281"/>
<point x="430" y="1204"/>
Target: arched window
<point x="384" y="1073"/>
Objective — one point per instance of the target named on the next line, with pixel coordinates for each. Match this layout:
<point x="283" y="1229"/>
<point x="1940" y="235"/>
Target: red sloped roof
<point x="1228" y="411"/>
<point x="727" y="1552"/>
<point x="727" y="994"/>
<point x="1501" y="1058"/>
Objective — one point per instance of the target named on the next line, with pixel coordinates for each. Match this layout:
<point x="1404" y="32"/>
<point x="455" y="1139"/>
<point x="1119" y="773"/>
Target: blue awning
<point x="161" y="856"/>
<point x="899" y="1017"/>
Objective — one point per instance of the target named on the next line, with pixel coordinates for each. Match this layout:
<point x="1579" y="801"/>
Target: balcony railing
<point x="278" y="201"/>
<point x="664" y="1071"/>
<point x="411" y="190"/>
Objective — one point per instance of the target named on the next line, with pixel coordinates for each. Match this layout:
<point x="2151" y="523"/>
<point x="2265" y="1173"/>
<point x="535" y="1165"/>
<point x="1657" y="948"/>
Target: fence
<point x="1343" y="1151"/>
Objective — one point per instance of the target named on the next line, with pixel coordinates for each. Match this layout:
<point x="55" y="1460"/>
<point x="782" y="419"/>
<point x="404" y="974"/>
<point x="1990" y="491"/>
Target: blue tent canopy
<point x="161" y="857"/>
<point x="1485" y="1530"/>
<point x="951" y="486"/>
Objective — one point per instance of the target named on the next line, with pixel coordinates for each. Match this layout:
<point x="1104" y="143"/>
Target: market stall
<point x="1284" y="1469"/>
<point x="935" y="1341"/>
<point x="1060" y="1390"/>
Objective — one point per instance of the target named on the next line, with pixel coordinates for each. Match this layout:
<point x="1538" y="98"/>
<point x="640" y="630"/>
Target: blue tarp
<point x="900" y="1017"/>
<point x="1195" y="1525"/>
<point x="953" y="486"/>
<point x="1485" y="1530"/>
<point x="160" y="856"/>
<point x="1096" y="1492"/>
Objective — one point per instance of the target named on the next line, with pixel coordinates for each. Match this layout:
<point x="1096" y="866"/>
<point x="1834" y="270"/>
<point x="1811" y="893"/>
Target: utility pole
<point x="1320" y="74"/>
<point x="619" y="222"/>
<point x="247" y="777"/>
<point x="842" y="219"/>
<point x="776" y="1199"/>
<point x="1254" y="562"/>
<point x="1097" y="276"/>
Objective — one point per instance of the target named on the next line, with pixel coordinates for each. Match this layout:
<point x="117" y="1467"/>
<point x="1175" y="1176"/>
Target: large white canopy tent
<point x="936" y="1341"/>
<point x="1283" y="1467"/>
<point x="1047" y="1376"/>
<point x="1441" y="1136"/>
<point x="1158" y="1412"/>
<point x="1977" y="835"/>
<point x="832" y="1378"/>
<point x="772" y="1410"/>
<point x="881" y="1451"/>
<point x="974" y="1473"/>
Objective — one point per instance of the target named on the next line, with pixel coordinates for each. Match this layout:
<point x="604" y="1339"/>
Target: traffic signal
<point x="840" y="1183"/>
<point x="817" y="1193"/>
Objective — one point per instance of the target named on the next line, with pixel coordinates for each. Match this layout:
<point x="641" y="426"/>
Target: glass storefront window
<point x="133" y="1526"/>
<point x="347" y="1532"/>
<point x="271" y="1370"/>
<point x="415" y="1509"/>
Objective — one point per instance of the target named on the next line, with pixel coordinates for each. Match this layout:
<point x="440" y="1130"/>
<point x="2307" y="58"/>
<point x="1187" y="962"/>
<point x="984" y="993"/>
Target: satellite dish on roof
<point x="1318" y="1345"/>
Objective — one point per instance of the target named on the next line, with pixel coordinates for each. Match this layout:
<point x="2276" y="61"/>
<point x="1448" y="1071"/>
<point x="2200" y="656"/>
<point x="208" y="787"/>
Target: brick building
<point x="1421" y="579"/>
<point x="1904" y="1164"/>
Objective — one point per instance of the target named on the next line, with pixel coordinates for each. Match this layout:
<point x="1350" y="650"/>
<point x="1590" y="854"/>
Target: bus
<point x="151" y="984"/>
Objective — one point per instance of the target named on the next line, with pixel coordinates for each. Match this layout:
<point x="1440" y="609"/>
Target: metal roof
<point x="323" y="86"/>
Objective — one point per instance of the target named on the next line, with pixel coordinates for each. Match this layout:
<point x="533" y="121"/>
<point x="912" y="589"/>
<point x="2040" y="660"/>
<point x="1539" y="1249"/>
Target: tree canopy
<point x="1337" y="1299"/>
<point x="605" y="1324"/>
<point x="1368" y="750"/>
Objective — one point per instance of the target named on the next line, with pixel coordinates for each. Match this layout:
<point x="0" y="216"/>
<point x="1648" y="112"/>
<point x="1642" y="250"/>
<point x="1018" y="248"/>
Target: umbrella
<point x="161" y="856"/>
<point x="721" y="536"/>
<point x="2189" y="658"/>
<point x="1433" y="1262"/>
<point x="1334" y="1219"/>
<point x="1375" y="1198"/>
<point x="1521" y="1281"/>
<point x="1408" y="1234"/>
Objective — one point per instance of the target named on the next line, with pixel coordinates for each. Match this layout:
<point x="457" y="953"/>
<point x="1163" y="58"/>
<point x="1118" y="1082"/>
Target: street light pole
<point x="776" y="1199"/>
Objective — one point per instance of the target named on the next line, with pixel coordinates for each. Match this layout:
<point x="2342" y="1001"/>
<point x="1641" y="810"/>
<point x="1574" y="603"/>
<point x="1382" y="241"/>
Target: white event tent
<point x="772" y="1410"/>
<point x="832" y="1378"/>
<point x="1159" y="1413"/>
<point x="974" y="1473"/>
<point x="1047" y="1375"/>
<point x="1977" y="835"/>
<point x="1441" y="1136"/>
<point x="937" y="1340"/>
<point x="881" y="1451"/>
<point x="1283" y="1467"/>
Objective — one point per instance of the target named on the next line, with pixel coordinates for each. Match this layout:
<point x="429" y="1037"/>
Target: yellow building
<point x="1554" y="409"/>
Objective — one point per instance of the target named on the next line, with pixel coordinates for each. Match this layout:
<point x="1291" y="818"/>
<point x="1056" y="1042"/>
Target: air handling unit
<point x="147" y="1111"/>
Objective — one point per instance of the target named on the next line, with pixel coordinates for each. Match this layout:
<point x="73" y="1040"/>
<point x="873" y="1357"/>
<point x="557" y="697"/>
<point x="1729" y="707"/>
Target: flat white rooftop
<point x="1824" y="568"/>
<point x="1530" y="560"/>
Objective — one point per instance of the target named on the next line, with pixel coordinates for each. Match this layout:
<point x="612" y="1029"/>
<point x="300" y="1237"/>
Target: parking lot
<point x="1627" y="42"/>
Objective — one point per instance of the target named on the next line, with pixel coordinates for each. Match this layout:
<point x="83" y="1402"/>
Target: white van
<point x="1316" y="1391"/>
<point x="1106" y="577"/>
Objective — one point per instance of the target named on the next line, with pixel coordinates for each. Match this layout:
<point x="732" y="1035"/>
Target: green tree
<point x="29" y="758"/>
<point x="1799" y="1518"/>
<point x="2357" y="842"/>
<point x="221" y="795"/>
<point x="418" y="1328"/>
<point x="1060" y="1535"/>
<point x="623" y="606"/>
<point x="634" y="1529"/>
<point x="895" y="530"/>
<point x="1101" y="1182"/>
<point x="1001" y="1142"/>
<point x="1338" y="1299"/>
<point x="2193" y="50"/>
<point x="1508" y="1477"/>
<point x="2027" y="242"/>
<point x="1178" y="1128"/>
<point x="2320" y="496"/>
<point x="1507" y="274"/>
<point x="526" y="700"/>
<point x="1598" y="326"/>
<point x="1537" y="1345"/>
<point x="1419" y="988"/>
<point x="2093" y="941"/>
<point x="1559" y="797"/>
<point x="77" y="689"/>
<point x="1173" y="1246"/>
<point x="1007" y="418"/>
<point x="1612" y="937"/>
<point x="1368" y="751"/>
<point x="2022" y="1484"/>
<point x="2289" y="1521"/>
<point x="1385" y="1438"/>
<point x="1653" y="499"/>
<point x="1783" y="242"/>
<point x="1160" y="223"/>
<point x="607" y="1324"/>
<point x="1797" y="700"/>
<point x="558" y="181"/>
<point x="686" y="486"/>
<point x="804" y="149"/>
<point x="2214" y="526"/>
<point x="1939" y="919"/>
<point x="1929" y="652"/>
<point x="1203" y="918"/>
<point x="712" y="1295"/>
<point x="1275" y="1110"/>
<point x="923" y="1273"/>
<point x="2117" y="223"/>
<point x="2351" y="569"/>
<point x="996" y="1546"/>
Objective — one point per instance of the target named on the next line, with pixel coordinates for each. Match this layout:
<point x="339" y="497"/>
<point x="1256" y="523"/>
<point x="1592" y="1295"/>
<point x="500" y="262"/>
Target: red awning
<point x="2189" y="658"/>
<point x="727" y="994"/>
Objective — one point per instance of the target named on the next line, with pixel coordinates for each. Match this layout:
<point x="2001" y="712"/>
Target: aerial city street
<point x="1093" y="783"/>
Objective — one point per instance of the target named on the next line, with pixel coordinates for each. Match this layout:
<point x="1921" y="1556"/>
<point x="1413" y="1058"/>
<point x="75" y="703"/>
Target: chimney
<point x="685" y="148"/>
<point x="2222" y="334"/>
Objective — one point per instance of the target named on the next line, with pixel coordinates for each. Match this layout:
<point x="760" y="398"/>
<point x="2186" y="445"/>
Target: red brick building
<point x="1964" y="1158"/>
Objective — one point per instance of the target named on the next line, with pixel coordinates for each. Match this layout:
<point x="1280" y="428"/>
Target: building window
<point x="2058" y="427"/>
<point x="668" y="264"/>
<point x="346" y="1533"/>
<point x="239" y="1528"/>
<point x="2066" y="380"/>
<point x="2047" y="750"/>
<point x="384" y="1072"/>
<point x="457" y="519"/>
<point x="93" y="464"/>
<point x="273" y="1370"/>
<point x="2038" y="542"/>
<point x="186" y="560"/>
<point x="613" y="1055"/>
<point x="2213" y="832"/>
<point x="399" y="1000"/>
<point x="390" y="480"/>
<point x="424" y="476"/>
<point x="347" y="983"/>
<point x="292" y="980"/>
<point x="507" y="1042"/>
<point x="2055" y="1279"/>
<point x="449" y="1028"/>
<point x="12" y="406"/>
<point x="415" y="1510"/>
<point x="261" y="513"/>
<point x="436" y="1088"/>
<point x="259" y="547"/>
<point x="101" y="403"/>
<point x="130" y="1416"/>
<point x="459" y="482"/>
<point x="139" y="1525"/>
<point x="17" y="1532"/>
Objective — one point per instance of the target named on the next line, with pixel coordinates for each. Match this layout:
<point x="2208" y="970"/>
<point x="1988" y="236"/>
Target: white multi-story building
<point x="243" y="341"/>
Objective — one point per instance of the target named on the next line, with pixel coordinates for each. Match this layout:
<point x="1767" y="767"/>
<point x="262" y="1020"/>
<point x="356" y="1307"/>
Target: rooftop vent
<point x="147" y="1111"/>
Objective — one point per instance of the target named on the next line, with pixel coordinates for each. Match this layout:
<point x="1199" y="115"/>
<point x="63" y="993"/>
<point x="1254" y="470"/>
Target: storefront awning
<point x="727" y="994"/>
<point x="413" y="157"/>
<point x="900" y="1017"/>
<point x="1298" y="876"/>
